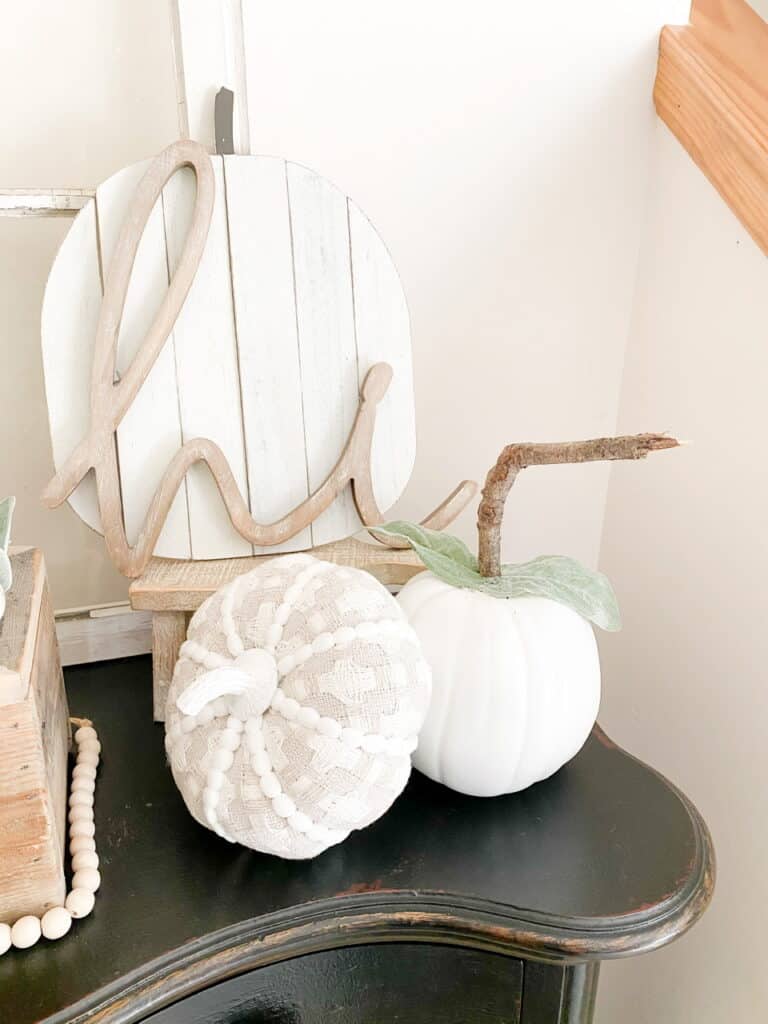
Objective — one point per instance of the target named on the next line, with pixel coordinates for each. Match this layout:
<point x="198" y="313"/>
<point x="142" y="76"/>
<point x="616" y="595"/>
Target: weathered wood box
<point x="34" y="743"/>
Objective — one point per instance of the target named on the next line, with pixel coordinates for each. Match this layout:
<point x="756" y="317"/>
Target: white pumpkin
<point x="515" y="686"/>
<point x="515" y="669"/>
<point x="295" y="705"/>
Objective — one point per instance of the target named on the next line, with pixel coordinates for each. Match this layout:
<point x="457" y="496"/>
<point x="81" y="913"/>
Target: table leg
<point x="169" y="630"/>
<point x="556" y="994"/>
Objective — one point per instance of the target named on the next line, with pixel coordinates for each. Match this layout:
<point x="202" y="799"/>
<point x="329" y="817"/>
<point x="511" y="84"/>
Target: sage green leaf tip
<point x="555" y="577"/>
<point x="6" y="515"/>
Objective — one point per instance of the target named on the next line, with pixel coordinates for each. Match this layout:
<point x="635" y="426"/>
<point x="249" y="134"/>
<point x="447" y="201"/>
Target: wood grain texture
<point x="169" y="631"/>
<point x="712" y="91"/>
<point x="44" y="202"/>
<point x="168" y="585"/>
<point x="18" y="627"/>
<point x="205" y="348"/>
<point x="69" y="319"/>
<point x="34" y="741"/>
<point x="609" y="860"/>
<point x="326" y="332"/>
<point x="149" y="434"/>
<point x="268" y="348"/>
<point x="229" y="333"/>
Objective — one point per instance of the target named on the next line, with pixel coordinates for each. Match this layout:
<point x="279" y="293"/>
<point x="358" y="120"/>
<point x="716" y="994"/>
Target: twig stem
<point x="515" y="457"/>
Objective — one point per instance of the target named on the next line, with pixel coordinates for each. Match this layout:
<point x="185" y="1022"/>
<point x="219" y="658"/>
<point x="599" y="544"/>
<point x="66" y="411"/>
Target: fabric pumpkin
<point x="295" y="706"/>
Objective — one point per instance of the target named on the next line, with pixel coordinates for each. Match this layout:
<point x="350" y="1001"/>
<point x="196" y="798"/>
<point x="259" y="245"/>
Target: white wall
<point x="501" y="150"/>
<point x="686" y="544"/>
<point x="503" y="159"/>
<point x="87" y="87"/>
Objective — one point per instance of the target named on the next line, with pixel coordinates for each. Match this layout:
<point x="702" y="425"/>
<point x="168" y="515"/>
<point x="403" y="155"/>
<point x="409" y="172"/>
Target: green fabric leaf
<point x="6" y="514"/>
<point x="552" y="576"/>
<point x="419" y="537"/>
<point x="6" y="574"/>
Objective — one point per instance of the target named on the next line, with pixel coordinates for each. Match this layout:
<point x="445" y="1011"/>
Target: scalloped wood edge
<point x="711" y="90"/>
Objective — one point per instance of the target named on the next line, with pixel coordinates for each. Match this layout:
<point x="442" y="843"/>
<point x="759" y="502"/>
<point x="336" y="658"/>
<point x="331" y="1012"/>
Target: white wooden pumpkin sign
<point x="294" y="300"/>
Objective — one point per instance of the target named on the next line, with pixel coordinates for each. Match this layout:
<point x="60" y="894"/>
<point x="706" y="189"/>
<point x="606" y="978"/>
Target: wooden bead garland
<point x="56" y="922"/>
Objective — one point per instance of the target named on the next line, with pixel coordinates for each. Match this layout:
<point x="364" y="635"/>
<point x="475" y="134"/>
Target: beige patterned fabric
<point x="295" y="706"/>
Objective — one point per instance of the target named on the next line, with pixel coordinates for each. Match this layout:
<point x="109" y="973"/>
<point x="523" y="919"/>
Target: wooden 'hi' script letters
<point x="111" y="400"/>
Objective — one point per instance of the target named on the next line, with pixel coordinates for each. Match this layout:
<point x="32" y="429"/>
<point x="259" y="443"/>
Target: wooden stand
<point x="172" y="590"/>
<point x="34" y="741"/>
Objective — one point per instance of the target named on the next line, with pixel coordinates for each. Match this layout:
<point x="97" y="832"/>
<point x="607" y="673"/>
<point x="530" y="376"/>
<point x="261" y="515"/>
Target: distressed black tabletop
<point x="604" y="859"/>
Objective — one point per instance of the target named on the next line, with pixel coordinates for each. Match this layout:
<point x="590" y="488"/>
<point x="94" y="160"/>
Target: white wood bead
<point x="85" y="732"/>
<point x="88" y="758"/>
<point x="85" y="859"/>
<point x="85" y="829"/>
<point x="80" y="902"/>
<point x="79" y="843"/>
<point x="89" y="747"/>
<point x="86" y="878"/>
<point x="5" y="938"/>
<point x="80" y="813"/>
<point x="82" y="785"/>
<point x="215" y="779"/>
<point x="79" y="798"/>
<point x="235" y="724"/>
<point x="344" y="636"/>
<point x="56" y="922"/>
<point x="25" y="932"/>
<point x="189" y="723"/>
<point x="84" y="771"/>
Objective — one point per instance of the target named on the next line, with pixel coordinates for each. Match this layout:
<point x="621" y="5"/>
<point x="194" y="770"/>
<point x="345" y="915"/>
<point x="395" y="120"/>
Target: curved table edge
<point x="396" y="916"/>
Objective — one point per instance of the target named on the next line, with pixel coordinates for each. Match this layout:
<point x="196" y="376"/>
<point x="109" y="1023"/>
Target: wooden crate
<point x="34" y="743"/>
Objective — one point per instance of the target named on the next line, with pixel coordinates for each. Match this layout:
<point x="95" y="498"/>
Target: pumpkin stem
<point x="515" y="457"/>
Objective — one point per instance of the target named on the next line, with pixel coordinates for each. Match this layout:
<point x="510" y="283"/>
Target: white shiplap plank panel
<point x="324" y="313"/>
<point x="265" y="309"/>
<point x="150" y="433"/>
<point x="208" y="47"/>
<point x="383" y="333"/>
<point x="68" y="329"/>
<point x="206" y="365"/>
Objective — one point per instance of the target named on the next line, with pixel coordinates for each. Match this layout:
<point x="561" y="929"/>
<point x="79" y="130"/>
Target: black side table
<point x="450" y="909"/>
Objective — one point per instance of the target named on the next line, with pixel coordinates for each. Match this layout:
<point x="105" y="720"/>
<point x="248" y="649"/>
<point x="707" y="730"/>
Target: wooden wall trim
<point x="712" y="91"/>
<point x="43" y="202"/>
